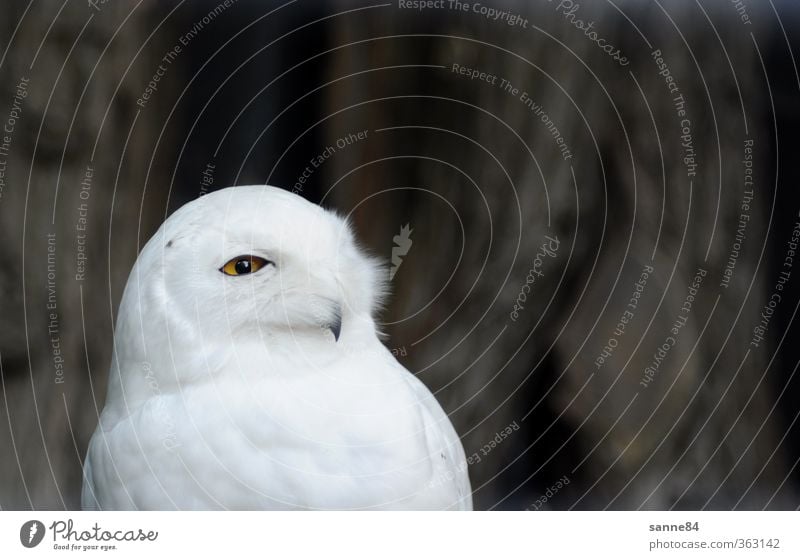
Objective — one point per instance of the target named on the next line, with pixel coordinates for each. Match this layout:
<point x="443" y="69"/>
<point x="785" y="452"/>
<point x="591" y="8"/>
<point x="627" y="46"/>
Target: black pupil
<point x="243" y="266"/>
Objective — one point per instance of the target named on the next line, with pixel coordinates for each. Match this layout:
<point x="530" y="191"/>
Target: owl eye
<point x="244" y="264"/>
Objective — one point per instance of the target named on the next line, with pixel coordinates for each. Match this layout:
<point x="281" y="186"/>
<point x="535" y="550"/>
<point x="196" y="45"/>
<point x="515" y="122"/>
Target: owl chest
<point x="289" y="450"/>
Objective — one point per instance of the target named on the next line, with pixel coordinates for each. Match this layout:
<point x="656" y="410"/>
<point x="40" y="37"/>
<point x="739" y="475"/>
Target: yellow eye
<point x="243" y="264"/>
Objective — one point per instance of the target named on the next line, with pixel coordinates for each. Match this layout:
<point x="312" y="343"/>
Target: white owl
<point x="247" y="373"/>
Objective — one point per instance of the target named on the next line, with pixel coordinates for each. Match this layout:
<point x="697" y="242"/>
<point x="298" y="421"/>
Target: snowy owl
<point x="247" y="373"/>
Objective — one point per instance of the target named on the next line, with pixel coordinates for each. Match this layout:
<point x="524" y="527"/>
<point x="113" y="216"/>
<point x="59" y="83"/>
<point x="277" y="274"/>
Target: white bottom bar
<point x="401" y="535"/>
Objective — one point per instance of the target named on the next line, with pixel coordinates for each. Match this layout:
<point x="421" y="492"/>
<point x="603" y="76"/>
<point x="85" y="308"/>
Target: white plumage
<point x="247" y="374"/>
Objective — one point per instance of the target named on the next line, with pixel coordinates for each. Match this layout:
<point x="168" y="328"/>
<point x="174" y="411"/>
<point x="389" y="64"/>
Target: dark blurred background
<point x="92" y="162"/>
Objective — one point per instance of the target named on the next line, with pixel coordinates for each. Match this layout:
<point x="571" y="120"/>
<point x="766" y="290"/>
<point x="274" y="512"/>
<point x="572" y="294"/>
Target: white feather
<point x="231" y="392"/>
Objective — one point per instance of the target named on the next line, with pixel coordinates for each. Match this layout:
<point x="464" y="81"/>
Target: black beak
<point x="335" y="325"/>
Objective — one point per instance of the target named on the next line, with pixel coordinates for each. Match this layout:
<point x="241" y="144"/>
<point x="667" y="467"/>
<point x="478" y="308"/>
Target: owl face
<point x="250" y="260"/>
